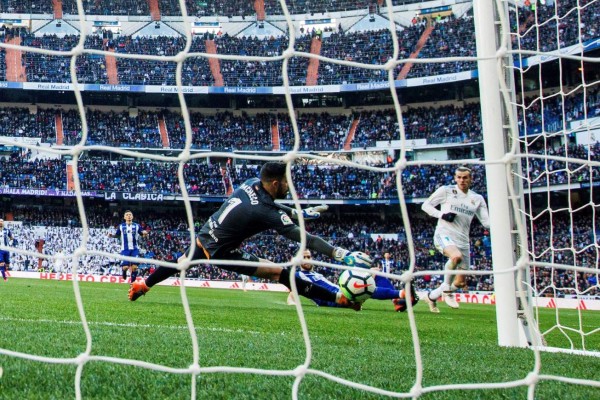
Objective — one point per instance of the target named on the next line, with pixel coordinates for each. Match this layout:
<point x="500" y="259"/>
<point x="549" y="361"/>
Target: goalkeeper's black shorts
<point x="200" y="253"/>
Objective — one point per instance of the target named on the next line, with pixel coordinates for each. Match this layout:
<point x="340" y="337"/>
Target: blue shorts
<point x="129" y="253"/>
<point x="4" y="257"/>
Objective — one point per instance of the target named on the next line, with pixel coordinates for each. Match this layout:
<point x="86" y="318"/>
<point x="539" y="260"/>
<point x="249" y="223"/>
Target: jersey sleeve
<point x="118" y="231"/>
<point x="436" y="198"/>
<point x="482" y="213"/>
<point x="313" y="242"/>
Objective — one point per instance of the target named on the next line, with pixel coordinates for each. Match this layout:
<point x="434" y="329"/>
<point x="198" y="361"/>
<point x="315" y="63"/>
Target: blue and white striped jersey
<point x="129" y="235"/>
<point x="5" y="237"/>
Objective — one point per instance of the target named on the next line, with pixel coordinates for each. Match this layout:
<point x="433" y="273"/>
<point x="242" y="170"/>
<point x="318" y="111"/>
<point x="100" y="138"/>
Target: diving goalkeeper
<point x="252" y="209"/>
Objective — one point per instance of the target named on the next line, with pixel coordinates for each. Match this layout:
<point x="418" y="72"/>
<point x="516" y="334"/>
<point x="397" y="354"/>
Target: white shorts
<point x="442" y="241"/>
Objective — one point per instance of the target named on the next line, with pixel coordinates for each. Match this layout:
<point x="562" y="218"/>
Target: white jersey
<point x="465" y="205"/>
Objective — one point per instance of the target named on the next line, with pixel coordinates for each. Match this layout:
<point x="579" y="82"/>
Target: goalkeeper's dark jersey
<point x="248" y="211"/>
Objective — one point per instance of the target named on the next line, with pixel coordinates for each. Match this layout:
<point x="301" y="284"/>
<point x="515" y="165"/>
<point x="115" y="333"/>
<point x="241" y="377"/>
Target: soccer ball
<point x="357" y="285"/>
<point x="358" y="259"/>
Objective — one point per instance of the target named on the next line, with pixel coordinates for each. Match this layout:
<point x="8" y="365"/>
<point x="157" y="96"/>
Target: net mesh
<point x="547" y="158"/>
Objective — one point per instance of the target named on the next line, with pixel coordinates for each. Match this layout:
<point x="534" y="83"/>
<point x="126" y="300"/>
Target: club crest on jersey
<point x="454" y="191"/>
<point x="285" y="219"/>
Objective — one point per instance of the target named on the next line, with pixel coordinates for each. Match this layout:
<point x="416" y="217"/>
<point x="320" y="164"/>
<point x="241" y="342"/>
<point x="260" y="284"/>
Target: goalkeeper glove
<point x="340" y="254"/>
<point x="449" y="216"/>
<point x="358" y="259"/>
<point x="311" y="212"/>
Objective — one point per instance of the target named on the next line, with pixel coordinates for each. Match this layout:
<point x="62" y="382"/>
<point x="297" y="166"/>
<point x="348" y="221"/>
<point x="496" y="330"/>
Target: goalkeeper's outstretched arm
<point x="318" y="244"/>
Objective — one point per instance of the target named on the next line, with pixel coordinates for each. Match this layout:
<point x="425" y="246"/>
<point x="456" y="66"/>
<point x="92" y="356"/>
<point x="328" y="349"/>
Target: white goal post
<point x="492" y="46"/>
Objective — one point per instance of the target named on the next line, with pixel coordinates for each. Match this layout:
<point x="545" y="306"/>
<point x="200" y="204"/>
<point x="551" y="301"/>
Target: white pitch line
<point x="135" y="325"/>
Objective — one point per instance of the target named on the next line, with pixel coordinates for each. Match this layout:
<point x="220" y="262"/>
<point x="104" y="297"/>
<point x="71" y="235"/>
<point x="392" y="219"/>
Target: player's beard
<point x="281" y="193"/>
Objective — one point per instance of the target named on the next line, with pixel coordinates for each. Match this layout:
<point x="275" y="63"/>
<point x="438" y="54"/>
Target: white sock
<point x="449" y="266"/>
<point x="436" y="293"/>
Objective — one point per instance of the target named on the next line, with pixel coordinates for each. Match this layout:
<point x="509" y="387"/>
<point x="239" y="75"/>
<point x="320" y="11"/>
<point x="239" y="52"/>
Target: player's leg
<point x="447" y="247"/>
<point x="384" y="289"/>
<point x="133" y="268"/>
<point x="446" y="288"/>
<point x="134" y="273"/>
<point x="328" y="293"/>
<point x="124" y="264"/>
<point x="291" y="300"/>
<point x="459" y="280"/>
<point x="6" y="265"/>
<point x="400" y="304"/>
<point x="3" y="264"/>
<point x="161" y="273"/>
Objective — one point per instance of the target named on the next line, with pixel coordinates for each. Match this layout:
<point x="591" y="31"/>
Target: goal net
<point x="556" y="144"/>
<point x="539" y="132"/>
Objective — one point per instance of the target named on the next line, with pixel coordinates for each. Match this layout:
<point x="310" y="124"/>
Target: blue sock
<point x="385" y="290"/>
<point x="133" y="275"/>
<point x="382" y="293"/>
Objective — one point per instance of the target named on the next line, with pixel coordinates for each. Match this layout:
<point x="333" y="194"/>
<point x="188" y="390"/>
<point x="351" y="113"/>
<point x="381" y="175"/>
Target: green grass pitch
<point x="258" y="330"/>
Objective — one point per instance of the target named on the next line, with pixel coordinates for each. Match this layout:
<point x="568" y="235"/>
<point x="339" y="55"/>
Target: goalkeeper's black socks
<point x="159" y="275"/>
<point x="306" y="289"/>
<point x="125" y="274"/>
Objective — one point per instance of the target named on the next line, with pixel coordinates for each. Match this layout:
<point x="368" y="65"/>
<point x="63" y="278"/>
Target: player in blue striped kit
<point x="384" y="288"/>
<point x="128" y="232"/>
<point x="5" y="239"/>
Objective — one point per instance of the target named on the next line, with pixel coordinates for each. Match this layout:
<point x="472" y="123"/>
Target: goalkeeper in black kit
<point x="252" y="209"/>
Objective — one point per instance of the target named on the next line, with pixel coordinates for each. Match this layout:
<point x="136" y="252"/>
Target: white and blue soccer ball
<point x="356" y="284"/>
<point x="358" y="259"/>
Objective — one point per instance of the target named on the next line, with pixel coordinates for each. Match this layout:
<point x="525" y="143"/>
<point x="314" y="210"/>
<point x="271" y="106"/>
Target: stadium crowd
<point x="230" y="8"/>
<point x="225" y="130"/>
<point x="226" y="8"/>
<point x="553" y="26"/>
<point x="449" y="39"/>
<point x="240" y="131"/>
<point x="312" y="182"/>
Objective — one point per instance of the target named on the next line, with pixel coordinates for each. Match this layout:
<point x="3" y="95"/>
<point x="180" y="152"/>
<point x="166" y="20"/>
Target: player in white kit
<point x="458" y="206"/>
